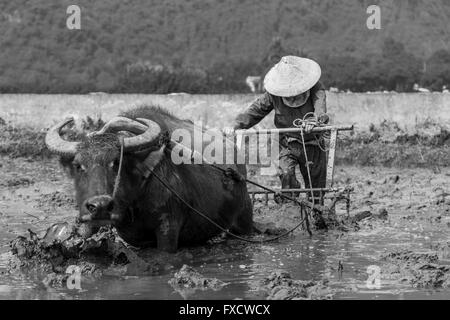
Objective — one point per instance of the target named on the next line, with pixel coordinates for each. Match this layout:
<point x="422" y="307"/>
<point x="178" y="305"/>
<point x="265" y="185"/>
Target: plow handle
<point x="295" y="130"/>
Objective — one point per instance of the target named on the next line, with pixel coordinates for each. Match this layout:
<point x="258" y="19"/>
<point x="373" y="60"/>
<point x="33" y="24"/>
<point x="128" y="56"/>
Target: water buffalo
<point x="143" y="210"/>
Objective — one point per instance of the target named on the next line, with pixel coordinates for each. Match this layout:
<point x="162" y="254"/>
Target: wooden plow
<point x="327" y="193"/>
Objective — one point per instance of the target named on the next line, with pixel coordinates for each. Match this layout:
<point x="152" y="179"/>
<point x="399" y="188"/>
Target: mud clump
<point x="361" y="220"/>
<point x="62" y="247"/>
<point x="86" y="269"/>
<point x="382" y="215"/>
<point x="367" y="218"/>
<point x="421" y="270"/>
<point x="280" y="286"/>
<point x="188" y="278"/>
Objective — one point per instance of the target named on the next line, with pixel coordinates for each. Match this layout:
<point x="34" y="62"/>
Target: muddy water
<point x="33" y="195"/>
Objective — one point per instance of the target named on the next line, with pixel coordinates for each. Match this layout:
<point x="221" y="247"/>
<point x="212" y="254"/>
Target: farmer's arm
<point x="255" y="113"/>
<point x="320" y="103"/>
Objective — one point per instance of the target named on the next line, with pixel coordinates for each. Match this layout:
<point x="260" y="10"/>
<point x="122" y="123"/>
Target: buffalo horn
<point x="58" y="145"/>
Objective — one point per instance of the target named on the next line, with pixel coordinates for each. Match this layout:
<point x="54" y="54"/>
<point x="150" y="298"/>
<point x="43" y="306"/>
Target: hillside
<point x="38" y="52"/>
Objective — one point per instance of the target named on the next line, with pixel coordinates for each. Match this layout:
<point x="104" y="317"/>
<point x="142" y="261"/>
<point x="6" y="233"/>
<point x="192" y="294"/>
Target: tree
<point x="342" y="72"/>
<point x="437" y="73"/>
<point x="402" y="69"/>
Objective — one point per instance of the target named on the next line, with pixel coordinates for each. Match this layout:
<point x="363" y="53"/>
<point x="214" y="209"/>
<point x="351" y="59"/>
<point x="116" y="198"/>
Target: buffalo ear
<point x="67" y="163"/>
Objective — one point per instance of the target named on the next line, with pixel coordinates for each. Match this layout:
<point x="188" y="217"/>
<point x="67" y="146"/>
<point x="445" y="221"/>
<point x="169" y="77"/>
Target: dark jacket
<point x="284" y="115"/>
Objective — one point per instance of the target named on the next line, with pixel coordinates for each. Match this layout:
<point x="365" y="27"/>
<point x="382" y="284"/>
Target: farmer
<point x="293" y="90"/>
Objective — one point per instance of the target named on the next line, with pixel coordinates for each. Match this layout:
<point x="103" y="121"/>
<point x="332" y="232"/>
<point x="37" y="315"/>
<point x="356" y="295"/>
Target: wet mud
<point x="187" y="281"/>
<point x="281" y="286"/>
<point x="399" y="222"/>
<point x="418" y="269"/>
<point x="63" y="246"/>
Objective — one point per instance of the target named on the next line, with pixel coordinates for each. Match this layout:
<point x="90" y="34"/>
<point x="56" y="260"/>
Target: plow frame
<point x="329" y="192"/>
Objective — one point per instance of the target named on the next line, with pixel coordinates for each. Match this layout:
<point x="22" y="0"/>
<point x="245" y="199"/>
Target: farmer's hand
<point x="228" y="131"/>
<point x="308" y="126"/>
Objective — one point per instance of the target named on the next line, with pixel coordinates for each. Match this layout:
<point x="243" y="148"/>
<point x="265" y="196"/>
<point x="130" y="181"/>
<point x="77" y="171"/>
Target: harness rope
<point x="301" y="203"/>
<point x="117" y="180"/>
<point x="307" y="165"/>
<point x="300" y="123"/>
<point x="178" y="196"/>
<point x="217" y="225"/>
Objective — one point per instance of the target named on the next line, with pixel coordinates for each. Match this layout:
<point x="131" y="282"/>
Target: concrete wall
<point x="407" y="109"/>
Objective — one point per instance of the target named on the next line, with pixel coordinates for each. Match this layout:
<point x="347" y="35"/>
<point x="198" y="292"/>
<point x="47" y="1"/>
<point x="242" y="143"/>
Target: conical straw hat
<point x="292" y="76"/>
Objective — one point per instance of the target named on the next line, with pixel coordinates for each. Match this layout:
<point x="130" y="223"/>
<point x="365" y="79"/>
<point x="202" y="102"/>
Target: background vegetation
<point x="211" y="46"/>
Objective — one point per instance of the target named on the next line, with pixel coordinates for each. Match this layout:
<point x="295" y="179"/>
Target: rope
<point x="302" y="204"/>
<point x="217" y="225"/>
<point x="307" y="165"/>
<point x="117" y="183"/>
<point x="117" y="180"/>
<point x="311" y="117"/>
<point x="192" y="152"/>
<point x="305" y="219"/>
<point x="300" y="124"/>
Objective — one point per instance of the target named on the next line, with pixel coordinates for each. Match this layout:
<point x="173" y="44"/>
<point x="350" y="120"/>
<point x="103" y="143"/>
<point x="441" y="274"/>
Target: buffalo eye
<point x="79" y="166"/>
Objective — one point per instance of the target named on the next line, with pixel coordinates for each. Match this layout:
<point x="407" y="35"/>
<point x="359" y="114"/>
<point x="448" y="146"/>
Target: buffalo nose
<point x="99" y="204"/>
<point x="92" y="207"/>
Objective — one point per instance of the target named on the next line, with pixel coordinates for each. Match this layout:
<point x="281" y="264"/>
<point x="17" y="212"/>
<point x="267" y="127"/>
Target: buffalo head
<point x="94" y="164"/>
